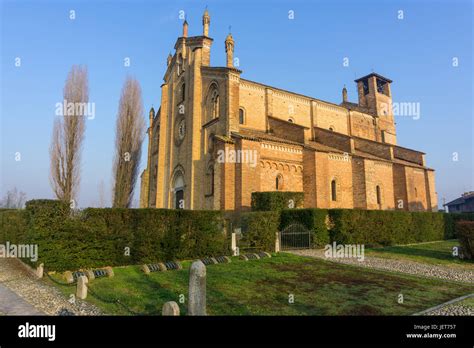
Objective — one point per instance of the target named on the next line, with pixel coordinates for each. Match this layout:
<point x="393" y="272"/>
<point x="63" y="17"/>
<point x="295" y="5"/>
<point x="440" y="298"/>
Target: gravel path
<point x="453" y="310"/>
<point x="410" y="267"/>
<point x="43" y="298"/>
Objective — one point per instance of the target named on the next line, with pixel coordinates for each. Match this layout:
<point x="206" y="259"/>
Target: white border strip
<point x="444" y="304"/>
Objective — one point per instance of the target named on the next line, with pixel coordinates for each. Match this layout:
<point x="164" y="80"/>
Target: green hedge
<point x="382" y="228"/>
<point x="13" y="226"/>
<point x="259" y="230"/>
<point x="102" y="237"/>
<point x="465" y="234"/>
<point x="313" y="219"/>
<point x="275" y="201"/>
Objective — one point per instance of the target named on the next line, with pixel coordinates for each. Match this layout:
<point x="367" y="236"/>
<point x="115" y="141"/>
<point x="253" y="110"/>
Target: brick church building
<point x="218" y="137"/>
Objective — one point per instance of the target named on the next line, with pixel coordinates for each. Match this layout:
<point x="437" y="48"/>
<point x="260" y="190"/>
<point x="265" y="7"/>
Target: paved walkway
<point x="23" y="294"/>
<point x="12" y="304"/>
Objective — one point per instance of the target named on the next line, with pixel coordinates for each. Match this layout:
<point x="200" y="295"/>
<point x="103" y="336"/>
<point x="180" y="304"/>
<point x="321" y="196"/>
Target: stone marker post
<point x="170" y="308"/>
<point x="277" y="242"/>
<point x="40" y="271"/>
<point x="233" y="244"/>
<point x="81" y="290"/>
<point x="197" y="289"/>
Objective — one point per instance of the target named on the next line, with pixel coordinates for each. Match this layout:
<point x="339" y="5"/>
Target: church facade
<point x="218" y="137"/>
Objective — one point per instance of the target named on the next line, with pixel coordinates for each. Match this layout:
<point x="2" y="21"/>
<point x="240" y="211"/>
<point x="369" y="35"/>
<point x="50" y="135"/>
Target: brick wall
<point x="332" y="139"/>
<point x="408" y="155"/>
<point x="416" y="190"/>
<point x="374" y="148"/>
<point x="286" y="130"/>
<point x="400" y="187"/>
<point x="380" y="174"/>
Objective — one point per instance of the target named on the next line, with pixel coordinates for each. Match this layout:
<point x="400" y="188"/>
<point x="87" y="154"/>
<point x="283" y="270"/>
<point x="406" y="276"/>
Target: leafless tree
<point x="130" y="131"/>
<point x="101" y="190"/>
<point x="14" y="199"/>
<point x="68" y="136"/>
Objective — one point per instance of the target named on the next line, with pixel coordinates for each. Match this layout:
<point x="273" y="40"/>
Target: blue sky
<point x="304" y="54"/>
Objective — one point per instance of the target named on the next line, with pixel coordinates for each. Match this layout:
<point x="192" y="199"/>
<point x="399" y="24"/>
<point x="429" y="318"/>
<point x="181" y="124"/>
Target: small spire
<point x="344" y="94"/>
<point x="229" y="50"/>
<point x="185" y="28"/>
<point x="168" y="60"/>
<point x="206" y="21"/>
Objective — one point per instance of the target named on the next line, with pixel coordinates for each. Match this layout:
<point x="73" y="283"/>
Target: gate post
<point x="233" y="244"/>
<point x="277" y="242"/>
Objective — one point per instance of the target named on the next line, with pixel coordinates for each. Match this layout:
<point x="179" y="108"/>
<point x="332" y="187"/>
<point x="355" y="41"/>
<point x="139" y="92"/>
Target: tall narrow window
<point x="241" y="116"/>
<point x="333" y="190"/>
<point x="180" y="64"/>
<point x="179" y="196"/>
<point x="279" y="182"/>
<point x="379" y="197"/>
<point x="210" y="180"/>
<point x="178" y="191"/>
<point x="416" y="193"/>
<point x="183" y="91"/>
<point x="215" y="104"/>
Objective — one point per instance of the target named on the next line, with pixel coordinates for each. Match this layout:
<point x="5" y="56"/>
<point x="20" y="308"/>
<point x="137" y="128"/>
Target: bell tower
<point x="375" y="97"/>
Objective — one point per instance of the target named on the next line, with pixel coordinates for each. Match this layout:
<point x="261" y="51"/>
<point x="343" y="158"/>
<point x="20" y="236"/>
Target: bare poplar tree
<point x="101" y="190"/>
<point x="130" y="131"/>
<point x="68" y="136"/>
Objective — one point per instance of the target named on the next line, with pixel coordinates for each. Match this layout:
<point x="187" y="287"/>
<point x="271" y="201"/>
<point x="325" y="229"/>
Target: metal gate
<point x="295" y="236"/>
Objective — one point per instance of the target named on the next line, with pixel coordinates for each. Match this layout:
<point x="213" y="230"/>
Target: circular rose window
<point x="180" y="131"/>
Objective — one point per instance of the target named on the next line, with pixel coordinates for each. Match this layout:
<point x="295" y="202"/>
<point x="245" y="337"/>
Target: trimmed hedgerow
<point x="465" y="234"/>
<point x="13" y="226"/>
<point x="276" y="200"/>
<point x="382" y="228"/>
<point x="313" y="219"/>
<point x="114" y="236"/>
<point x="259" y="230"/>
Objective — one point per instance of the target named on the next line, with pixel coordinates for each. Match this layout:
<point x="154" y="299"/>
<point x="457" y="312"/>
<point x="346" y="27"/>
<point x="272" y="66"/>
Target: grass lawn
<point x="262" y="287"/>
<point x="438" y="253"/>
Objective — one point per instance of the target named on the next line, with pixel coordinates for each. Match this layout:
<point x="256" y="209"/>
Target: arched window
<point x="331" y="128"/>
<point x="379" y="196"/>
<point x="180" y="64"/>
<point x="291" y="120"/>
<point x="213" y="103"/>
<point x="279" y="182"/>
<point x="210" y="180"/>
<point x="178" y="188"/>
<point x="241" y="116"/>
<point x="333" y="190"/>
